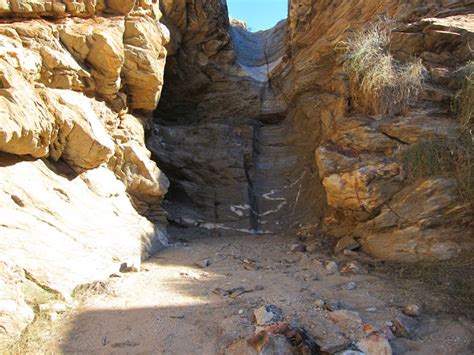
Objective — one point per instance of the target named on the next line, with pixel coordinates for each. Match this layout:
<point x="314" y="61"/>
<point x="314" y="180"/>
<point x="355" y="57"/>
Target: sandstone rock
<point x="405" y="326"/>
<point x="145" y="57"/>
<point x="402" y="230"/>
<point x="48" y="236"/>
<point x="365" y="188"/>
<point x="412" y="310"/>
<point x="122" y="7"/>
<point x="267" y="314"/>
<point x="99" y="46"/>
<point x="346" y="243"/>
<point x="26" y="123"/>
<point x="332" y="267"/>
<point x="375" y="345"/>
<point x="81" y="138"/>
<point x="349" y="322"/>
<point x="420" y="126"/>
<point x="15" y="314"/>
<point x="132" y="161"/>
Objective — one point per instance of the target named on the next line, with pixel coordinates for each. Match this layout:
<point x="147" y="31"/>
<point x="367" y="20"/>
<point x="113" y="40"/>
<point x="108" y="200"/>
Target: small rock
<point x="205" y="263"/>
<point x="351" y="268"/>
<point x="371" y="309"/>
<point x="333" y="344"/>
<point x="412" y="310"/>
<point x="350" y="253"/>
<point x="53" y="316"/>
<point x="313" y="247"/>
<point x="332" y="267"/>
<point x="350" y="352"/>
<point x="298" y="248"/>
<point x="346" y="243"/>
<point x="375" y="344"/>
<point x="267" y="314"/>
<point x="350" y="286"/>
<point x="346" y="320"/>
<point x="57" y="307"/>
<point x="259" y="288"/>
<point x="129" y="267"/>
<point x="405" y="327"/>
<point x="319" y="303"/>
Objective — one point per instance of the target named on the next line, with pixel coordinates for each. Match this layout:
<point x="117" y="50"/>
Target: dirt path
<point x="177" y="305"/>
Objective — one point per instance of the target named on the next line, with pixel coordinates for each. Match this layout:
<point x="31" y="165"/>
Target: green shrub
<point x="371" y="65"/>
<point x="443" y="157"/>
<point x="463" y="102"/>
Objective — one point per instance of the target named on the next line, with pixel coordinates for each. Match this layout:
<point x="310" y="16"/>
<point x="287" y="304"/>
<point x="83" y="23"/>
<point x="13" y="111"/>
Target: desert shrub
<point x="443" y="157"/>
<point x="463" y="101"/>
<point x="368" y="61"/>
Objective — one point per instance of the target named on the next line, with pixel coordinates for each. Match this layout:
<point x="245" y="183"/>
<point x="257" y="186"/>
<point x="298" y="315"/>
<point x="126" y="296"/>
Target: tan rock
<point x="132" y="161"/>
<point x="25" y="122"/>
<point x="80" y="137"/>
<point x="145" y="57"/>
<point x="375" y="345"/>
<point x="365" y="188"/>
<point x="122" y="7"/>
<point x="66" y="229"/>
<point x="423" y="221"/>
<point x="15" y="314"/>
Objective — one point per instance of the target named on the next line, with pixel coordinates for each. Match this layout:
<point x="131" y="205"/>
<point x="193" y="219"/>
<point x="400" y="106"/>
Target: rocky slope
<point x="258" y="133"/>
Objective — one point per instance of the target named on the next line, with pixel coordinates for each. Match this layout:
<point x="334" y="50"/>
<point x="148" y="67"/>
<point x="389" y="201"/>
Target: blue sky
<point x="258" y="14"/>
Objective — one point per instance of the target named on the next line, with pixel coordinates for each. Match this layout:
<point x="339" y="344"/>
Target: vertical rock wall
<point x="79" y="194"/>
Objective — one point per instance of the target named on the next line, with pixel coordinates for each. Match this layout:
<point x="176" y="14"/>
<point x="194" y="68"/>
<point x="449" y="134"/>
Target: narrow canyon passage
<point x="238" y="157"/>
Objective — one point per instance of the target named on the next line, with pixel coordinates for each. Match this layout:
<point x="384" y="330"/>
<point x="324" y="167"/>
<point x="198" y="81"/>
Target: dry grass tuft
<point x="463" y="102"/>
<point x="448" y="157"/>
<point x="444" y="286"/>
<point x="394" y="84"/>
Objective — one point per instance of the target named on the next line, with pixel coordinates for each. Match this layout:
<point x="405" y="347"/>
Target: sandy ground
<point x="176" y="304"/>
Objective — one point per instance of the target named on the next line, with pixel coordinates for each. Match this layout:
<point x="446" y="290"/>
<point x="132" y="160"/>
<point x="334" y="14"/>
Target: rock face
<point x="266" y="132"/>
<point x="79" y="193"/>
<point x="239" y="157"/>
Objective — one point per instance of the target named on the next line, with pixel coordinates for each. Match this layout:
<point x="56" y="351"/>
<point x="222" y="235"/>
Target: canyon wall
<point x="80" y="196"/>
<point x="266" y="132"/>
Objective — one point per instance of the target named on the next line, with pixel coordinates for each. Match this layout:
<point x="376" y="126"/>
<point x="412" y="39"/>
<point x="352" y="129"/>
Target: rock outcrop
<point x="265" y="131"/>
<point x="80" y="195"/>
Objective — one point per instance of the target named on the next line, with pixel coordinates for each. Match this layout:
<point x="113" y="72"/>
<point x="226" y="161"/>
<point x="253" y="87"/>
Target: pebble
<point x="412" y="310"/>
<point x="298" y="248"/>
<point x="129" y="267"/>
<point x="350" y="286"/>
<point x="205" y="263"/>
<point x="375" y="344"/>
<point x="267" y="314"/>
<point x="405" y="327"/>
<point x="351" y="268"/>
<point x="319" y="303"/>
<point x="332" y="267"/>
<point x="346" y="243"/>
